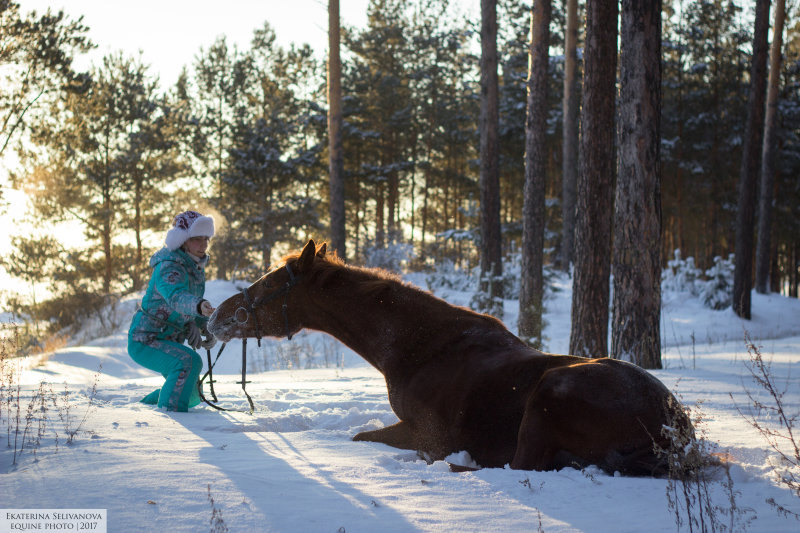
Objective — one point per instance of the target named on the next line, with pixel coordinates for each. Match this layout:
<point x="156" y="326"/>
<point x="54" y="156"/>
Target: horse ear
<point x="307" y="256"/>
<point x="322" y="249"/>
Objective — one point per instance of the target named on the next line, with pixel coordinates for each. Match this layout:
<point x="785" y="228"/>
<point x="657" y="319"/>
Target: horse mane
<point x="331" y="266"/>
<point x="368" y="282"/>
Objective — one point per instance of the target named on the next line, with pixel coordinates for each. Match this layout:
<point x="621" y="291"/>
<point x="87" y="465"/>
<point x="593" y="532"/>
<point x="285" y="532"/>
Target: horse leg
<point x="606" y="414"/>
<point x="534" y="451"/>
<point x="541" y="438"/>
<point x="399" y="435"/>
<point x="402" y="435"/>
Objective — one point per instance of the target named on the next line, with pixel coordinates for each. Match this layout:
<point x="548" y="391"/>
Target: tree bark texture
<point x="336" y="162"/>
<point x="635" y="326"/>
<point x="594" y="203"/>
<point x="764" y="241"/>
<point x="569" y="148"/>
<point x="751" y="158"/>
<point x="491" y="249"/>
<point x="533" y="219"/>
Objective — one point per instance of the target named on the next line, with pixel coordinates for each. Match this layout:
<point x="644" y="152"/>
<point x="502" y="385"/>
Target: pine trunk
<point x="336" y="163"/>
<point x="589" y="335"/>
<point x="491" y="250"/>
<point x="107" y="213"/>
<point x="380" y="224"/>
<point x="393" y="193"/>
<point x="751" y="156"/>
<point x="764" y="250"/>
<point x="635" y="327"/>
<point x="795" y="268"/>
<point x="570" y="142"/>
<point x="137" y="226"/>
<point x="533" y="220"/>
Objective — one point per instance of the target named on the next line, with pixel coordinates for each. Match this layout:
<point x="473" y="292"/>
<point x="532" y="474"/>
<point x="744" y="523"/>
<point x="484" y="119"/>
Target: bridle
<point x="249" y="310"/>
<point x="250" y="305"/>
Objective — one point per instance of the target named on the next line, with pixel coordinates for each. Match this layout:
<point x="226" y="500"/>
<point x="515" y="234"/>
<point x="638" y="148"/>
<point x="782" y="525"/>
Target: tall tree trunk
<point x="679" y="180"/>
<point x="795" y="268"/>
<point x="764" y="250"/>
<point x="751" y="156"/>
<point x="426" y="188"/>
<point x="335" y="162"/>
<point x="774" y="269"/>
<point x="635" y="327"/>
<point x="137" y="224"/>
<point x="105" y="224"/>
<point x="222" y="246"/>
<point x="380" y="222"/>
<point x="775" y="281"/>
<point x="570" y="135"/>
<point x="589" y="334"/>
<point x="105" y="235"/>
<point x="491" y="250"/>
<point x="393" y="192"/>
<point x="533" y="220"/>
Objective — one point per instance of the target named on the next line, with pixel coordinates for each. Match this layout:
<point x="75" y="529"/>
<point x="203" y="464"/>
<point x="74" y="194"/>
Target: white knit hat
<point x="187" y="225"/>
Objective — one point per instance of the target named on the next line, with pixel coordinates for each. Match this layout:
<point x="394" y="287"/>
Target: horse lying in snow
<point x="459" y="380"/>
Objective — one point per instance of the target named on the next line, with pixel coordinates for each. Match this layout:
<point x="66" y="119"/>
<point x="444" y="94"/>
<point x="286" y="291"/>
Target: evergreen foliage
<point x="243" y="135"/>
<point x="36" y="54"/>
<point x="713" y="285"/>
<point x="703" y="119"/>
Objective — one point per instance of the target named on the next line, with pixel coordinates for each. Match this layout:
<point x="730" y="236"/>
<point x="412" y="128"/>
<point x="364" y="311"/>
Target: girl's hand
<point x="205" y="308"/>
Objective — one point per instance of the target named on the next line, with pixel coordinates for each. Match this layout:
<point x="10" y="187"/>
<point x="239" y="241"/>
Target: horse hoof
<point x="461" y="468"/>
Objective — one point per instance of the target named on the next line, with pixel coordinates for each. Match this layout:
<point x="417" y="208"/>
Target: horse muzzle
<point x="220" y="328"/>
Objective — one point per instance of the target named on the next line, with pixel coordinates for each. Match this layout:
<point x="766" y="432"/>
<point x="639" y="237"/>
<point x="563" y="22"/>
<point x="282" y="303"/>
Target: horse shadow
<point x="277" y="478"/>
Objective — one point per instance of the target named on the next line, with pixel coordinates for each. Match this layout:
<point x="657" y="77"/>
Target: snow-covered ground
<point x="291" y="466"/>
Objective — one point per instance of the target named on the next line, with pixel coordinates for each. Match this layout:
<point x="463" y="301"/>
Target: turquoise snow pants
<point x="179" y="364"/>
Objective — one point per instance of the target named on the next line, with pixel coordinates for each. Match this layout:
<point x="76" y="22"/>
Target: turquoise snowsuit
<point x="158" y="329"/>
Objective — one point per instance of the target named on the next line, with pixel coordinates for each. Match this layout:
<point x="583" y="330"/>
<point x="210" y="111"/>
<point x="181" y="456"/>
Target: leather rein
<point x="249" y="311"/>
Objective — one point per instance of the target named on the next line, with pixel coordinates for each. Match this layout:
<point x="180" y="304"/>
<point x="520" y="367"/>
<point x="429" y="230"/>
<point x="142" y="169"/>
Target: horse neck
<point x="378" y="330"/>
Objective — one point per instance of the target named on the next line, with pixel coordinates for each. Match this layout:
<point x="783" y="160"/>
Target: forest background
<point x="243" y="135"/>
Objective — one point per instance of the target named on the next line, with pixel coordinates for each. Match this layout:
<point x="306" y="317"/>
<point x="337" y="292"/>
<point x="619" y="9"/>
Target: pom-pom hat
<point x="187" y="225"/>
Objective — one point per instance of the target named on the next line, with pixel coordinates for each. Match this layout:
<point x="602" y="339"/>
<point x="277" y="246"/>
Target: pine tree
<point x="570" y="140"/>
<point x="36" y="64"/>
<point x="271" y="186"/>
<point x="703" y="103"/>
<point x="384" y="116"/>
<point x="220" y="77"/>
<point x="33" y="260"/>
<point x="91" y="146"/>
<point x="751" y="163"/>
<point x="635" y="327"/>
<point x="533" y="216"/>
<point x="147" y="162"/>
<point x="590" y="295"/>
<point x="768" y="153"/>
<point x="336" y="164"/>
<point x="786" y="228"/>
<point x="490" y="244"/>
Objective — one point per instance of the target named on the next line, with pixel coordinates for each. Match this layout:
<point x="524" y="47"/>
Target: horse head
<point x="271" y="306"/>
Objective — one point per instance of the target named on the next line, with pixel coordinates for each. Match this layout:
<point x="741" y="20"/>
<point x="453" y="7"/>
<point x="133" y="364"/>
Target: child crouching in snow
<point x="173" y="310"/>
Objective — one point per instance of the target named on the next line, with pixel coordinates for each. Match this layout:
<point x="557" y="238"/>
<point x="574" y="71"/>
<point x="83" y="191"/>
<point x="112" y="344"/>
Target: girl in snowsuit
<point x="173" y="310"/>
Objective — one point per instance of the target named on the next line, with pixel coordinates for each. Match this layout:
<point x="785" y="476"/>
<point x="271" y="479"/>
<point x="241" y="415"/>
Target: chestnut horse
<point x="459" y="380"/>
